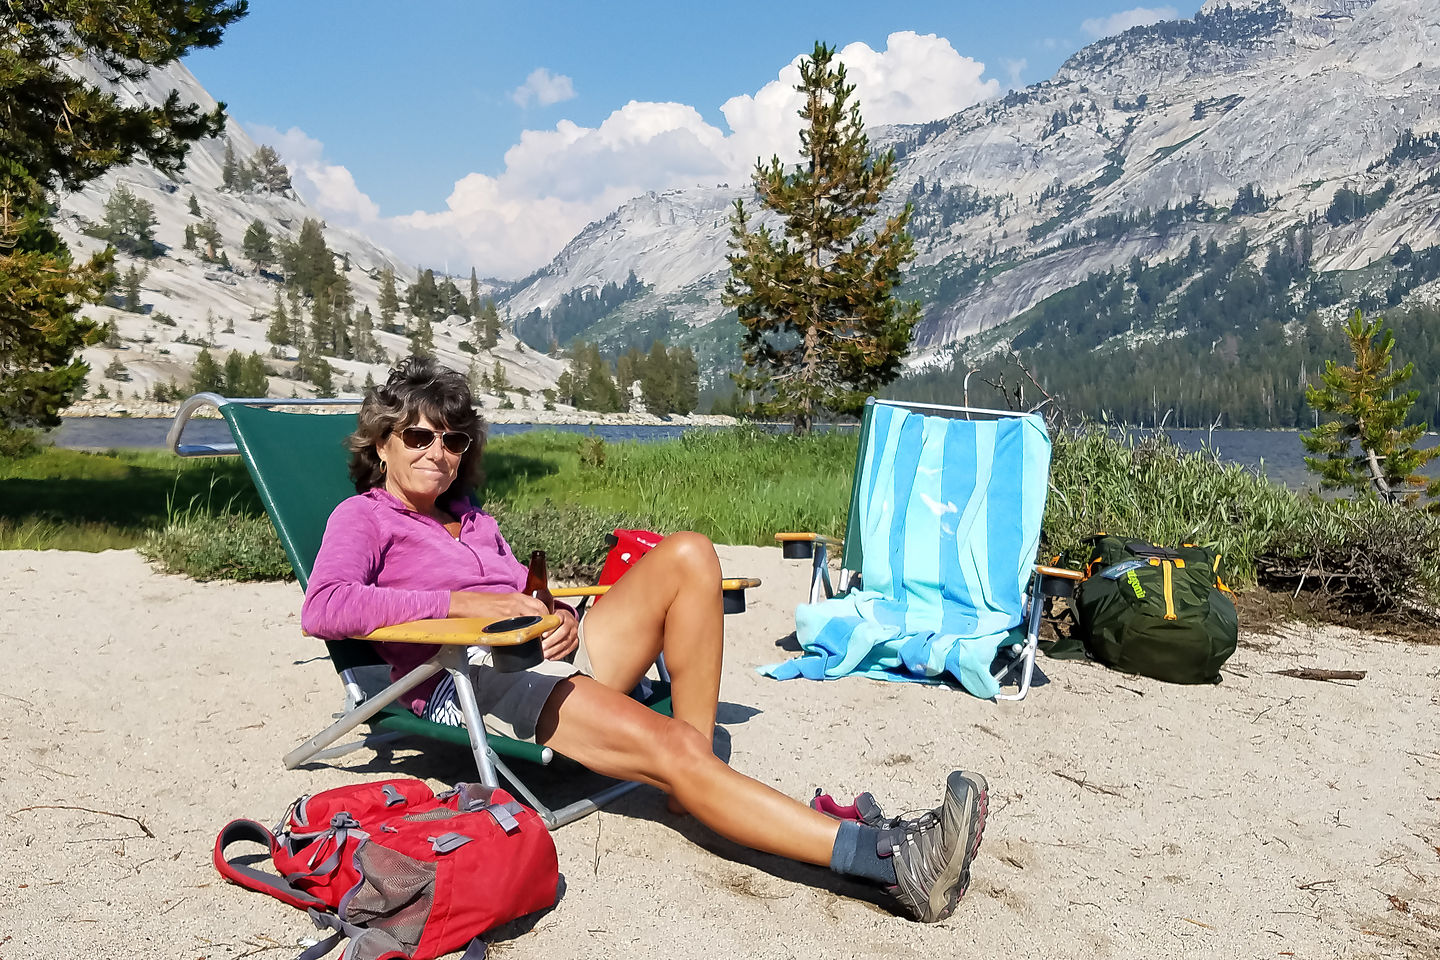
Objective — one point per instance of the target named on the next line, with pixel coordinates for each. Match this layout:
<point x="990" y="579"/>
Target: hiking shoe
<point x="865" y="810"/>
<point x="932" y="854"/>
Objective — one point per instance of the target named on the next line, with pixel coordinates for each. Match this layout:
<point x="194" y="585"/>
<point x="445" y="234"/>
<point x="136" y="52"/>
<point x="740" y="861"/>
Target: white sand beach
<point x="1263" y="817"/>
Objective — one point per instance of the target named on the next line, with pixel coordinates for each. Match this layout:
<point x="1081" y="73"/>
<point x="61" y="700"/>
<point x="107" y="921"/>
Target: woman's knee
<point x="694" y="552"/>
<point x="680" y="752"/>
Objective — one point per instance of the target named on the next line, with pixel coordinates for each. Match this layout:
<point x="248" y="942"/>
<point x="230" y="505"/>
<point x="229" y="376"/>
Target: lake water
<point x="1278" y="452"/>
<point x="109" y="433"/>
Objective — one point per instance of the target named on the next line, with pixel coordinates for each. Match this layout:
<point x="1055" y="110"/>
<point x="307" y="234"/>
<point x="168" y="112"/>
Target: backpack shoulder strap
<point x="250" y="878"/>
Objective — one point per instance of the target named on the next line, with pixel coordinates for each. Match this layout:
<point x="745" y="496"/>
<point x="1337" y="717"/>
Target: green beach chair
<point x="298" y="464"/>
<point x="938" y="581"/>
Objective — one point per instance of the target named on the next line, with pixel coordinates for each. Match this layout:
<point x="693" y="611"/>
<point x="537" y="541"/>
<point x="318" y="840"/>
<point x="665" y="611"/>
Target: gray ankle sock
<point x="856" y="853"/>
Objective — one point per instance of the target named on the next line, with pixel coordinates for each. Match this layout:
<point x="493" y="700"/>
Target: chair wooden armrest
<point x="732" y="588"/>
<point x="460" y="631"/>
<point x="598" y="590"/>
<point x="1063" y="572"/>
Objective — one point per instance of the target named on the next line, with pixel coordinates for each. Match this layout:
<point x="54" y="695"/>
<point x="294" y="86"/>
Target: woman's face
<point x="418" y="477"/>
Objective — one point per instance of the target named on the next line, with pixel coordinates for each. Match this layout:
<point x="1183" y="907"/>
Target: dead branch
<point x="1316" y="673"/>
<point x="104" y="813"/>
<point x="1087" y="785"/>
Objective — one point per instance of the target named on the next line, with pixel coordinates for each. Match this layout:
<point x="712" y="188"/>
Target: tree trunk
<point x="1377" y="475"/>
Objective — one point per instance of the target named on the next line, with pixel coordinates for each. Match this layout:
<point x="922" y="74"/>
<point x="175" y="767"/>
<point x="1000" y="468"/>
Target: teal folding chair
<point x="298" y="464"/>
<point x="938" y="581"/>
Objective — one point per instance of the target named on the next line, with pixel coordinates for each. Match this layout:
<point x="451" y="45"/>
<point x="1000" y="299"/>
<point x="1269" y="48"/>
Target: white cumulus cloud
<point x="555" y="181"/>
<point x="1120" y="22"/>
<point x="544" y="88"/>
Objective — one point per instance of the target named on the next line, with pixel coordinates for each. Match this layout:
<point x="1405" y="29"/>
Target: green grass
<point x="561" y="493"/>
<point x="60" y="499"/>
<point x="734" y="486"/>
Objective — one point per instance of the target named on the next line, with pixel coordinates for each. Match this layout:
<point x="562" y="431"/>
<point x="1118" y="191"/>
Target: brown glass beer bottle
<point x="537" y="581"/>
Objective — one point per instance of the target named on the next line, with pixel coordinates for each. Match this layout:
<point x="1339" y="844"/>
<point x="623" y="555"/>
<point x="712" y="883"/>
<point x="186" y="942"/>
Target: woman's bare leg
<point x="616" y="736"/>
<point x="670" y="603"/>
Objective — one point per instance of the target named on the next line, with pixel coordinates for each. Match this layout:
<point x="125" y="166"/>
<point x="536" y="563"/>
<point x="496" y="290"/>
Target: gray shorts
<point x="510" y="702"/>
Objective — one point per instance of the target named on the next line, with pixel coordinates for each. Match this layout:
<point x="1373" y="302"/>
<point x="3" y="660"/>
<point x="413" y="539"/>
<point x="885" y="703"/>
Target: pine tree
<point x="657" y="381"/>
<point x="234" y="372"/>
<point x="1367" y="446"/>
<point x="206" y="374"/>
<point x="822" y="325"/>
<point x="629" y="368"/>
<point x="687" y="380"/>
<point x="254" y="382"/>
<point x="474" y="293"/>
<point x="487" y="318"/>
<point x="267" y="172"/>
<point x="422" y="341"/>
<point x="322" y="333"/>
<point x="129" y="224"/>
<point x="131" y="286"/>
<point x="229" y="169"/>
<point x="423" y="297"/>
<point x="323" y="378"/>
<point x="189" y="237"/>
<point x="365" y="336"/>
<point x="279" y="330"/>
<point x="257" y="245"/>
<point x="313" y="265"/>
<point x="565" y="387"/>
<point x="209" y="234"/>
<point x="389" y="303"/>
<point x="499" y="382"/>
<point x="342" y="323"/>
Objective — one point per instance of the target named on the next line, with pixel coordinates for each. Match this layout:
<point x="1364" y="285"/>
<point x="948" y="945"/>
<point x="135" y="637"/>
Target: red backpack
<point x="407" y="874"/>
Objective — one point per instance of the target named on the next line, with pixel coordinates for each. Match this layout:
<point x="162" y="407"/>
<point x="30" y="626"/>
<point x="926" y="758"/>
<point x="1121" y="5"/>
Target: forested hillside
<point x="1204" y="336"/>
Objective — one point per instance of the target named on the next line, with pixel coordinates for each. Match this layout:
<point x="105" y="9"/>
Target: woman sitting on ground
<point x="411" y="545"/>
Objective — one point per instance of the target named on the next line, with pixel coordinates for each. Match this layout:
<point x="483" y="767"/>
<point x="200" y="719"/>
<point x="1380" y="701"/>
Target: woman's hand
<point x="564" y="639"/>
<point x="494" y="606"/>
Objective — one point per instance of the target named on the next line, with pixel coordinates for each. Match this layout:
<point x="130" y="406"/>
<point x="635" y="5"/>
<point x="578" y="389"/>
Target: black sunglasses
<point x="420" y="438"/>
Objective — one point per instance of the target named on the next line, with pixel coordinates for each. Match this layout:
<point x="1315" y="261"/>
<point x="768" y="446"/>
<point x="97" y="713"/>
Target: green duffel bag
<point x="1161" y="612"/>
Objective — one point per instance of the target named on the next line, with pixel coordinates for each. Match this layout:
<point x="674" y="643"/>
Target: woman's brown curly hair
<point x="418" y="386"/>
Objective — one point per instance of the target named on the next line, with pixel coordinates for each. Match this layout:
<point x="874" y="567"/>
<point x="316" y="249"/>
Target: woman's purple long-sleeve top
<point x="381" y="564"/>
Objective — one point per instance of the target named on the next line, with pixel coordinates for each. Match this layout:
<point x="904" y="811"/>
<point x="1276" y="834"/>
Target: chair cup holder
<point x="733" y="600"/>
<point x="797" y="549"/>
<point x="522" y="656"/>
<point x="1058" y="587"/>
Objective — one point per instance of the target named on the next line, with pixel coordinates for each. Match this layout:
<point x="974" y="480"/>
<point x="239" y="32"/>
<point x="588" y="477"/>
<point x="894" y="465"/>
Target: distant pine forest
<point x="1200" y="339"/>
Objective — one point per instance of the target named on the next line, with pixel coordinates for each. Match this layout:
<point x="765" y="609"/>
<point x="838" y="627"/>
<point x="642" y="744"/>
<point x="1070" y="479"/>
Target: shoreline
<point x="152" y="410"/>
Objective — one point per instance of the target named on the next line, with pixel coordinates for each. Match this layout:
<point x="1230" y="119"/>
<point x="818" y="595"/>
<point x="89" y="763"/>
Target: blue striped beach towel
<point x="950" y="524"/>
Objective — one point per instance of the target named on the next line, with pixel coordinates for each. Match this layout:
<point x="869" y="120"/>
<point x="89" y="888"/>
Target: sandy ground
<point x="1262" y="817"/>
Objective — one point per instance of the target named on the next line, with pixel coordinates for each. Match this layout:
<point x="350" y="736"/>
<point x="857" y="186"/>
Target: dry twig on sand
<point x="1082" y="782"/>
<point x="104" y="813"/>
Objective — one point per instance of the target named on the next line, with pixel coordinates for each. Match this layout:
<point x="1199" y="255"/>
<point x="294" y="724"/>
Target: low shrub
<point x="224" y="546"/>
<point x="571" y="534"/>
<point x="1364" y="556"/>
<point x="1360" y="555"/>
<point x="16" y="443"/>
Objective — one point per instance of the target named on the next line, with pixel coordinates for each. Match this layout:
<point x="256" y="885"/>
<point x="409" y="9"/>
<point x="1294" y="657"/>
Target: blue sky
<point x="493" y="132"/>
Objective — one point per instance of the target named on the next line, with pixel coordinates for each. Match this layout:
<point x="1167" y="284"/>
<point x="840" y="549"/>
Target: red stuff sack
<point x="405" y="873"/>
<point x="626" y="549"/>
